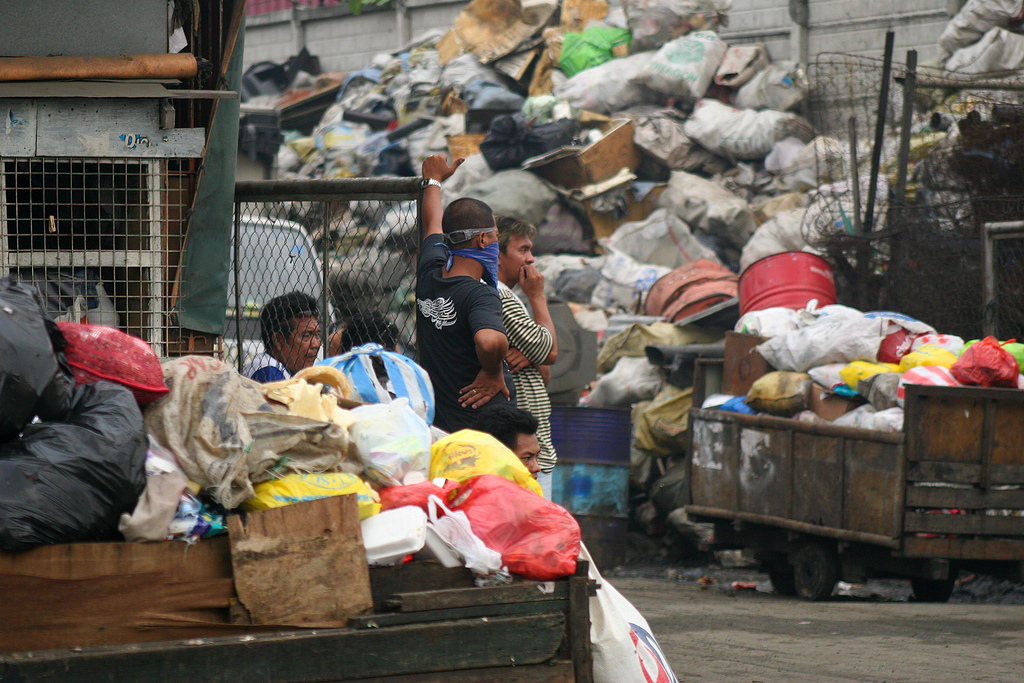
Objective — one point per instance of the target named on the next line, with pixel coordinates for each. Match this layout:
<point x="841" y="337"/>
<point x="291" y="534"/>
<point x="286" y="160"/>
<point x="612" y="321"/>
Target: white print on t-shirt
<point x="440" y="311"/>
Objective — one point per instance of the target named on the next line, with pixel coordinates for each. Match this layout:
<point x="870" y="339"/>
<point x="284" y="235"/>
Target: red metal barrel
<point x="788" y="280"/>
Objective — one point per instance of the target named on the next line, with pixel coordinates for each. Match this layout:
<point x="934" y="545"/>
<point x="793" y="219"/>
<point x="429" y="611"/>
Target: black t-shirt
<point x="450" y="311"/>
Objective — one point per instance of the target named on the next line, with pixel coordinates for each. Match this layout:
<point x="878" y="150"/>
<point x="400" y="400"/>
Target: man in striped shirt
<point x="532" y="344"/>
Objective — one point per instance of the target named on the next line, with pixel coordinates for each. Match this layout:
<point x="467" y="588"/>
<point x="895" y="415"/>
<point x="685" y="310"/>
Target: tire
<point x="782" y="576"/>
<point x="932" y="590"/>
<point x="815" y="571"/>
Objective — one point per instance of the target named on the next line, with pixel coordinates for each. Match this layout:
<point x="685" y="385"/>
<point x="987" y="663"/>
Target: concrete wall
<point x="345" y="42"/>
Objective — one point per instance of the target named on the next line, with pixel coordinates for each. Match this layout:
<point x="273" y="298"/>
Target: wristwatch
<point x="432" y="181"/>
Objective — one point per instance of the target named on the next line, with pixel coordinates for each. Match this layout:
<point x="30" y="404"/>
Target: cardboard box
<point x="579" y="166"/>
<point x="606" y="223"/>
<point x="829" y="406"/>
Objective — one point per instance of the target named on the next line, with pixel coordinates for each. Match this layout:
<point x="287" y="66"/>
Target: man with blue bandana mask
<point x="459" y="331"/>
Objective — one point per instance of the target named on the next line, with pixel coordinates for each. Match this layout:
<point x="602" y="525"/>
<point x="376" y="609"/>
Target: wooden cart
<point x="170" y="612"/>
<point x="818" y="503"/>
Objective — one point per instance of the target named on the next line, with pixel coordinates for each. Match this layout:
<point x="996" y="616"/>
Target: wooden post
<point x="579" y="624"/>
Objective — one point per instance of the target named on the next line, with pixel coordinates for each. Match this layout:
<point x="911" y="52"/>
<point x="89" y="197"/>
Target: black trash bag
<point x="512" y="139"/>
<point x="34" y="377"/>
<point x="66" y="482"/>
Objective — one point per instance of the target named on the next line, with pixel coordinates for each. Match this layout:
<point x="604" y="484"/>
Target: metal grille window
<point x="349" y="246"/>
<point x="98" y="237"/>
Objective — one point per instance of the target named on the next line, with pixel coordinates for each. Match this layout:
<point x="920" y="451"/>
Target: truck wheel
<point x="816" y="571"/>
<point x="932" y="590"/>
<point x="780" y="573"/>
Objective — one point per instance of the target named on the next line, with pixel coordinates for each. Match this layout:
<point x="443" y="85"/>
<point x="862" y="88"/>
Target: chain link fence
<point x="922" y="253"/>
<point x="319" y="266"/>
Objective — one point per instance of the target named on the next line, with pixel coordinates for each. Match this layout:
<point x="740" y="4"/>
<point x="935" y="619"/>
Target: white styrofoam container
<point x="393" y="534"/>
<point x="436" y="548"/>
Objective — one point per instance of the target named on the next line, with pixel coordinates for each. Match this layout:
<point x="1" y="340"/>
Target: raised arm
<point x="435" y="167"/>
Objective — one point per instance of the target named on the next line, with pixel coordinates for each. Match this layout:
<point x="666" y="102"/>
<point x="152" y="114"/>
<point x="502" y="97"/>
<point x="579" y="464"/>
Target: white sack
<point x="662" y="239"/>
<point x="683" y="68"/>
<point x="743" y="134"/>
<point x="998" y="50"/>
<point x="822" y="160"/>
<point x="708" y="208"/>
<point x="976" y="18"/>
<point x="740" y="64"/>
<point x="631" y="380"/>
<point x="781" y="233"/>
<point x="768" y="322"/>
<point x="608" y="87"/>
<point x="781" y="86"/>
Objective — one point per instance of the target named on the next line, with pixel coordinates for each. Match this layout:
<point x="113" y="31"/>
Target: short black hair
<point x="364" y="327"/>
<point x="278" y="313"/>
<point x="509" y="227"/>
<point x="466" y="213"/>
<point x="505" y="423"/>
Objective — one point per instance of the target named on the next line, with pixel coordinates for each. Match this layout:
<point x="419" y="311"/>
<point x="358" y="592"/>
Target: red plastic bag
<point x="537" y="539"/>
<point x="99" y="353"/>
<point x="986" y="364"/>
<point x="414" y="494"/>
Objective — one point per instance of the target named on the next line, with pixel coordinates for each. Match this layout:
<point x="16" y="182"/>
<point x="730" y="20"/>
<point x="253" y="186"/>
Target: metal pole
<point x="903" y="161"/>
<point x="325" y="332"/>
<point x="238" y="287"/>
<point x="858" y="226"/>
<point x="876" y="152"/>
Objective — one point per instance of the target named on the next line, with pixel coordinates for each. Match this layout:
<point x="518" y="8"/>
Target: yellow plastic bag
<point x="298" y="488"/>
<point x="862" y="369"/>
<point x="468" y="453"/>
<point x="929" y="354"/>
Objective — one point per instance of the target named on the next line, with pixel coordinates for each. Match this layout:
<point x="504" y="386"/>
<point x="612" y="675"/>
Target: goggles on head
<point x="460" y="236"/>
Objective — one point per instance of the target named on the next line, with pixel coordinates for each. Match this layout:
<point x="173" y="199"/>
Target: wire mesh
<point x="99" y="238"/>
<point x="347" y="249"/>
<point x="923" y="256"/>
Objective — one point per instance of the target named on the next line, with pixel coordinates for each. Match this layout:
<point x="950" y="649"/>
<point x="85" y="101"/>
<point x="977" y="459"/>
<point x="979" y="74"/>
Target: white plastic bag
<point x="683" y="68"/>
<point x="623" y="280"/>
<point x="393" y="443"/>
<point x="740" y="64"/>
<point x="631" y="380"/>
<point x="827" y="340"/>
<point x="623" y="646"/>
<point x="743" y="134"/>
<point x="768" y="322"/>
<point x="781" y="86"/>
<point x="454" y="529"/>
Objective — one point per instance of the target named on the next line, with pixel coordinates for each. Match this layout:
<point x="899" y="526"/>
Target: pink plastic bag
<point x="986" y="364"/>
<point x="537" y="539"/>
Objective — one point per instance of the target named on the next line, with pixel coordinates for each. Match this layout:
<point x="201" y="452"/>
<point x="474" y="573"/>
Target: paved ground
<point x="713" y="631"/>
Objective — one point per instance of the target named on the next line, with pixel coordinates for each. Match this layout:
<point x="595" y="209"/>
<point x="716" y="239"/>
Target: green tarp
<point x="203" y="286"/>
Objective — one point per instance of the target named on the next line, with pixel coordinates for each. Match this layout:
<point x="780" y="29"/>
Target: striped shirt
<point x="535" y="342"/>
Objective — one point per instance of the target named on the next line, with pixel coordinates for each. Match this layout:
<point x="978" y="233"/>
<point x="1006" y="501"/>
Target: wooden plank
<point x="111" y="128"/>
<point x="743" y="365"/>
<point x="946" y="428"/>
<point x="92" y="594"/>
<point x="817" y="476"/>
<point x="18" y="128"/>
<point x="386" y="582"/>
<point x="426" y="616"/>
<point x="969" y="499"/>
<point x="306" y="656"/>
<point x="975" y="524"/>
<point x="964" y="548"/>
<point x="526" y="591"/>
<point x="871" y="491"/>
<point x="553" y="672"/>
<point x="764" y="471"/>
<point x="1008" y="434"/>
<point x="579" y="624"/>
<point x="302" y="564"/>
<point x="783" y="523"/>
<point x="949" y="473"/>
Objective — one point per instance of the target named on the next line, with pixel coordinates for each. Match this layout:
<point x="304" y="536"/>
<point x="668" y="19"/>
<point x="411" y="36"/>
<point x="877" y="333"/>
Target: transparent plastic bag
<point x="393" y="443"/>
